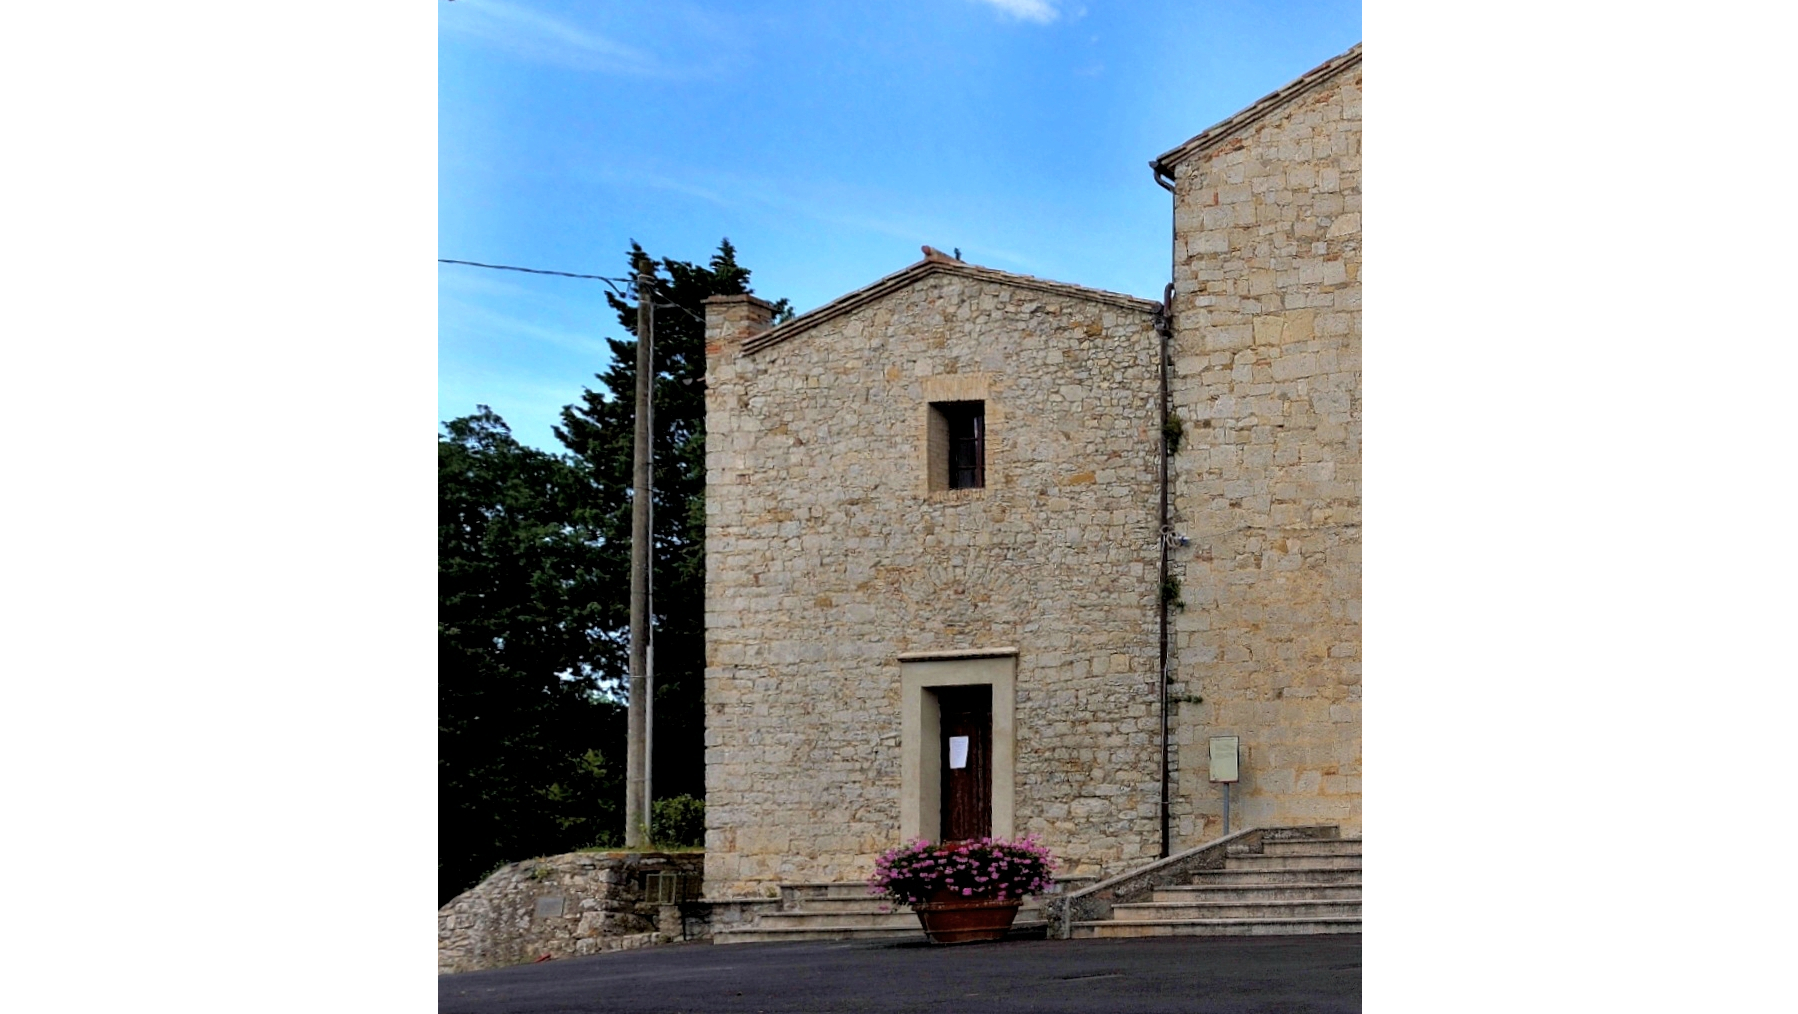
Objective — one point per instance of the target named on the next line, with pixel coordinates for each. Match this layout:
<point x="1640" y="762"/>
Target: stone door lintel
<point x="920" y="802"/>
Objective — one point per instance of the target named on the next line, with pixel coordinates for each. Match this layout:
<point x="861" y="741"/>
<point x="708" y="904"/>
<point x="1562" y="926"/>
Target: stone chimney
<point x="729" y="322"/>
<point x="732" y="320"/>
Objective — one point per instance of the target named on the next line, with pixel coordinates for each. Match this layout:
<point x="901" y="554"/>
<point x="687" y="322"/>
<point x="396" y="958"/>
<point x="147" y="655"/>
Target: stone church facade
<point x="935" y="537"/>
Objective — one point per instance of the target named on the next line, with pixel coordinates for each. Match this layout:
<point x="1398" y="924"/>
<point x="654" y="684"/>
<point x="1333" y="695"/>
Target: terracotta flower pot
<point x="951" y="918"/>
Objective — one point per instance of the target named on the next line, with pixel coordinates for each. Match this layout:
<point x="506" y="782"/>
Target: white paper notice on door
<point x="958" y="751"/>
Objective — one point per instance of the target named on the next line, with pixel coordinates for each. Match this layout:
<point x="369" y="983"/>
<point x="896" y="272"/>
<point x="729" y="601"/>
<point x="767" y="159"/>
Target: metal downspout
<point x="1164" y="327"/>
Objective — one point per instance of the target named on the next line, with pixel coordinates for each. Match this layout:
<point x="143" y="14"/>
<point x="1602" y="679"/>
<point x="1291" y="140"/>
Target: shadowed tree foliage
<point x="530" y="744"/>
<point x="599" y="430"/>
<point x="534" y="602"/>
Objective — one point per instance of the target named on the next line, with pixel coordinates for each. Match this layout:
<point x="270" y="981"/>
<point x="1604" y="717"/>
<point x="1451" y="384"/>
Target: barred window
<point x="958" y="454"/>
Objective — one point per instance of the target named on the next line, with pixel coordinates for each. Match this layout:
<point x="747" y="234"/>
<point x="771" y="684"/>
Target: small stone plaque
<point x="549" y="908"/>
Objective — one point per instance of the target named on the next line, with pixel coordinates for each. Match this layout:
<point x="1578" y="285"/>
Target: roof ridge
<point x="1164" y="163"/>
<point x="935" y="261"/>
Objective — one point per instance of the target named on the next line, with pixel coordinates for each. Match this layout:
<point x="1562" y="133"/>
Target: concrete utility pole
<point x="636" y="771"/>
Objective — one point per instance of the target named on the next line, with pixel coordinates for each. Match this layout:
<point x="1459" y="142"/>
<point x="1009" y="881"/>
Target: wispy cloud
<point x="480" y="283"/>
<point x="1040" y="11"/>
<point x="491" y="326"/>
<point x="541" y="37"/>
<point x="824" y="202"/>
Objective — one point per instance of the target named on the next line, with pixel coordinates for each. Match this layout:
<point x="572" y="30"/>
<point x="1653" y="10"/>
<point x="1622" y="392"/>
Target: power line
<point x="540" y="271"/>
<point x="677" y="306"/>
<point x="611" y="282"/>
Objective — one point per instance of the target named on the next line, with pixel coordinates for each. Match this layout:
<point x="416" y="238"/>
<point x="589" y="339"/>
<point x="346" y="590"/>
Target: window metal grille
<point x="670" y="888"/>
<point x="967" y="443"/>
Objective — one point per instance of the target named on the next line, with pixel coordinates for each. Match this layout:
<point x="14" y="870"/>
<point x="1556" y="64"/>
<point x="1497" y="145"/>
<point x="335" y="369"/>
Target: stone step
<point x="1313" y="847"/>
<point x="866" y="903"/>
<point x="1155" y="911"/>
<point x="1239" y="877"/>
<point x="1108" y="929"/>
<point x="1286" y="862"/>
<point x="828" y="920"/>
<point x="1283" y="886"/>
<point x="757" y="935"/>
<point x="804" y="892"/>
<point x="846" y="911"/>
<point x="805" y="897"/>
<point x="1250" y="893"/>
<point x="874" y="904"/>
<point x="762" y="933"/>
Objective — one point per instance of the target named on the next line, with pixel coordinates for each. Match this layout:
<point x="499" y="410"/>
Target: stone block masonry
<point x="829" y="556"/>
<point x="579" y="903"/>
<point x="1268" y="485"/>
<point x="849" y="587"/>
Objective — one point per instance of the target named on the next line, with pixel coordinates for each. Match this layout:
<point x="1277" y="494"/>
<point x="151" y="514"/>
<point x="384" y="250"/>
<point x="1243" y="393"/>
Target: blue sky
<point x="827" y="140"/>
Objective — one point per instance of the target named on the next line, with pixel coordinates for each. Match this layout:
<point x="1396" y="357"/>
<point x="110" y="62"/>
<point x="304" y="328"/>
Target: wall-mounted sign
<point x="958" y="751"/>
<point x="1225" y="752"/>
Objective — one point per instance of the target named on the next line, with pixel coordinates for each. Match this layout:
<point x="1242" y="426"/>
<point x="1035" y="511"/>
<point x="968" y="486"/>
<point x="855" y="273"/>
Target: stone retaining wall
<point x="579" y="903"/>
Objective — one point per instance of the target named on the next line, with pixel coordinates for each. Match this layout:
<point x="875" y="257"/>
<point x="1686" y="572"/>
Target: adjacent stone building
<point x="949" y="592"/>
<point x="1267" y="361"/>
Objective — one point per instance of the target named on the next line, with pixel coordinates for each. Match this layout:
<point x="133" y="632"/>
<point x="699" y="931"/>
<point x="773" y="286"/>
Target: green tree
<point x="599" y="430"/>
<point x="530" y="734"/>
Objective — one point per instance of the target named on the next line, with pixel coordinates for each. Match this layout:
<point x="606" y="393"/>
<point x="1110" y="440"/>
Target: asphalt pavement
<point x="1190" y="975"/>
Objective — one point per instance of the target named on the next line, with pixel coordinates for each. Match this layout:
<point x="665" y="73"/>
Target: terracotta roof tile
<point x="937" y="262"/>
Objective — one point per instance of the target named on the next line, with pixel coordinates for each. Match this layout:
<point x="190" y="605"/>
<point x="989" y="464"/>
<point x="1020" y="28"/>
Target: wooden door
<point x="967" y="761"/>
